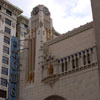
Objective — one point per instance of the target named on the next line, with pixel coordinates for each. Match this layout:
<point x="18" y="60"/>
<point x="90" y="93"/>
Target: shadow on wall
<point x="54" y="97"/>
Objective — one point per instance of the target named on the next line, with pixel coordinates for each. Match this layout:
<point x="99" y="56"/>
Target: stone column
<point x="96" y="20"/>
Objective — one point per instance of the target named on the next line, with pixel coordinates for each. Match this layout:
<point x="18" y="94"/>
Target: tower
<point x="64" y="68"/>
<point x="40" y="32"/>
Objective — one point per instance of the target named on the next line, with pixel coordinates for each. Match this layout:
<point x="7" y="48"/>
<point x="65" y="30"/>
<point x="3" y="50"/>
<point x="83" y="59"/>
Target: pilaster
<point x="96" y="22"/>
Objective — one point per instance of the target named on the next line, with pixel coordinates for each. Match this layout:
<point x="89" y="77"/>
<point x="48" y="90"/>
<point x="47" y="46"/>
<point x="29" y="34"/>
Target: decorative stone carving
<point x="50" y="80"/>
<point x="41" y="24"/>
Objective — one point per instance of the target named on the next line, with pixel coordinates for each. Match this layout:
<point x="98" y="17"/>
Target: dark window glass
<point x="4" y="82"/>
<point x="88" y="58"/>
<point x="5" y="49"/>
<point x="5" y="60"/>
<point x="84" y="59"/>
<point x="7" y="21"/>
<point x="73" y="63"/>
<point x="62" y="67"/>
<point x="9" y="12"/>
<point x="3" y="93"/>
<point x="25" y="26"/>
<point x="0" y="7"/>
<point x="6" y="40"/>
<point x="4" y="71"/>
<point x="76" y="62"/>
<point x="65" y="65"/>
<point x="7" y="30"/>
<point x="91" y="49"/>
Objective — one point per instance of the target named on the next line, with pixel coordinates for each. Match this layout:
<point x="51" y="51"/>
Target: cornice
<point x="7" y="4"/>
<point x="23" y="19"/>
<point x="71" y="33"/>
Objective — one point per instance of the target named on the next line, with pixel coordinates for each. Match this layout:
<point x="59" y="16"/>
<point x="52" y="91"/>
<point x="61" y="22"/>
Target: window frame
<point x="3" y="93"/>
<point x="8" y="12"/>
<point x="4" y="71"/>
<point x="5" y="60"/>
<point x="8" y="21"/>
<point x="7" y="30"/>
<point x="3" y="82"/>
<point x="6" y="40"/>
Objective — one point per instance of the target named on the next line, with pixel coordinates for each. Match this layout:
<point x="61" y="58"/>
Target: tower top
<point x="40" y="8"/>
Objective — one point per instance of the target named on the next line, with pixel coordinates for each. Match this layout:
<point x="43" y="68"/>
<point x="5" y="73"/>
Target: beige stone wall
<point x="81" y="85"/>
<point x="73" y="44"/>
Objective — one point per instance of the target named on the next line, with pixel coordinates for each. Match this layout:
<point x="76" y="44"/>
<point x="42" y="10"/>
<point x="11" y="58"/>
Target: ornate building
<point x="9" y="27"/>
<point x="51" y="66"/>
<point x="60" y="67"/>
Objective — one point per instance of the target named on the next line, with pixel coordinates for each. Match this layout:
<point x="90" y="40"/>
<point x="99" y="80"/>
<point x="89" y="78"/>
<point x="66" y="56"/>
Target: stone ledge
<point x="52" y="79"/>
<point x="71" y="33"/>
<point x="11" y="5"/>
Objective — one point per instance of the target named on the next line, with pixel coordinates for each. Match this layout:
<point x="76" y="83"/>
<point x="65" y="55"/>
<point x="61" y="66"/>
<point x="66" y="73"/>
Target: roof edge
<point x="15" y="7"/>
<point x="71" y="33"/>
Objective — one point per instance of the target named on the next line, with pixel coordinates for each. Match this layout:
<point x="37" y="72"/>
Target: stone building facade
<point x="60" y="67"/>
<point x="11" y="25"/>
<point x="8" y="21"/>
<point x="51" y="66"/>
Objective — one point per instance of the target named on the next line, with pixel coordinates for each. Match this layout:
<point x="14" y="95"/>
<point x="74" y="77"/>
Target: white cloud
<point x="66" y="14"/>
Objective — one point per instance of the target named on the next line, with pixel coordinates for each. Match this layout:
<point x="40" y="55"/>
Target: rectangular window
<point x="66" y="66"/>
<point x="73" y="63"/>
<point x="5" y="60"/>
<point x="77" y="62"/>
<point x="3" y="93"/>
<point x="62" y="67"/>
<point x="88" y="58"/>
<point x="0" y="7"/>
<point x="84" y="59"/>
<point x="8" y="12"/>
<point x="7" y="30"/>
<point x="6" y="40"/>
<point x="25" y="26"/>
<point x="5" y="49"/>
<point x="4" y="82"/>
<point x="4" y="71"/>
<point x="7" y="21"/>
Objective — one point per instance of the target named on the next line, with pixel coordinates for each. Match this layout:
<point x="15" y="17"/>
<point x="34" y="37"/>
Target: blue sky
<point x="66" y="14"/>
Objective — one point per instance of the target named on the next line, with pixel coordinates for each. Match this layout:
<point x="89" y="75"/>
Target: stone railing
<point x="53" y="69"/>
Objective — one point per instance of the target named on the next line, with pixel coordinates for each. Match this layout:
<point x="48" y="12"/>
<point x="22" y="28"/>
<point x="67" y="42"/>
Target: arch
<point x="54" y="97"/>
